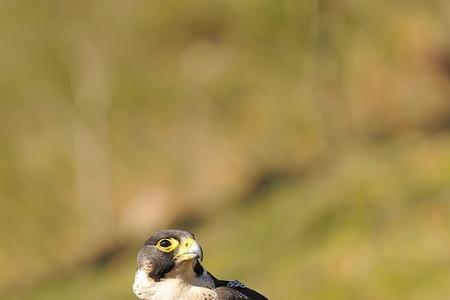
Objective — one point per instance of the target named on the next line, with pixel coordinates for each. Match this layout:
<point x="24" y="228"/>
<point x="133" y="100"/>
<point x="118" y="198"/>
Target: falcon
<point x="169" y="268"/>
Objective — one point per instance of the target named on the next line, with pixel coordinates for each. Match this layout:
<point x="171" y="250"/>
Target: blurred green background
<point x="306" y="143"/>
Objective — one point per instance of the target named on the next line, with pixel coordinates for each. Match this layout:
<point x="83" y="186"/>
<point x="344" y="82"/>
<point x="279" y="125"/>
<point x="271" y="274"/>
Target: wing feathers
<point x="238" y="293"/>
<point x="235" y="292"/>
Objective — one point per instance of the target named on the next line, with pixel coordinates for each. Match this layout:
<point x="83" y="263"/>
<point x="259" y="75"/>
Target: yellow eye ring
<point x="167" y="245"/>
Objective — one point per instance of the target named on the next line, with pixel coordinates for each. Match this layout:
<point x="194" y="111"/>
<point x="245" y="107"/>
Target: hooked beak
<point x="189" y="249"/>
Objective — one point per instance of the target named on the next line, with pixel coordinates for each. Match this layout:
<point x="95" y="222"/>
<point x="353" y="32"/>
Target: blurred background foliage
<point x="305" y="142"/>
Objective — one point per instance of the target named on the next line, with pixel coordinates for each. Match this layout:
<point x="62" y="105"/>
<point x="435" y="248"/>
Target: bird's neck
<point x="180" y="283"/>
<point x="183" y="271"/>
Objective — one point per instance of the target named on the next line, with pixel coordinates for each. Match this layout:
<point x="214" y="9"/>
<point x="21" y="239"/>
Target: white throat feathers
<point x="180" y="283"/>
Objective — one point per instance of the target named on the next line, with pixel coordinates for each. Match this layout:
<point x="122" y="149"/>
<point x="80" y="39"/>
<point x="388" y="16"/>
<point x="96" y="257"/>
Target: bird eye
<point x="167" y="245"/>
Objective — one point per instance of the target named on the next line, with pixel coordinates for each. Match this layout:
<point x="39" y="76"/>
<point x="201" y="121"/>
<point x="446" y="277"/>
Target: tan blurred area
<point x="306" y="143"/>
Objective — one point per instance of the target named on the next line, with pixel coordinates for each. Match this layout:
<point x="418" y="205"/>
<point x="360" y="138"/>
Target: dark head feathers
<point x="155" y="262"/>
<point x="168" y="233"/>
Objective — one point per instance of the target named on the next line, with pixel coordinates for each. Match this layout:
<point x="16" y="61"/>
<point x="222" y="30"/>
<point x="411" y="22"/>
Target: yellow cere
<point x="187" y="244"/>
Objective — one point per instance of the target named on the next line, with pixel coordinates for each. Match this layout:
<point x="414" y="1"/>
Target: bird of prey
<point x="168" y="268"/>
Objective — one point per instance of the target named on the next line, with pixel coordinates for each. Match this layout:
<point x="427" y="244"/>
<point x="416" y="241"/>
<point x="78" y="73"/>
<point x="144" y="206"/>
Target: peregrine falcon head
<point x="168" y="267"/>
<point x="167" y="251"/>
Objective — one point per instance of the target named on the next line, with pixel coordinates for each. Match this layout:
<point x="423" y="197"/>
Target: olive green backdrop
<point x="306" y="143"/>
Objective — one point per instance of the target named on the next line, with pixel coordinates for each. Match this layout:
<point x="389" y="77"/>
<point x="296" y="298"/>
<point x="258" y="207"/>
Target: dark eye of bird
<point x="165" y="243"/>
